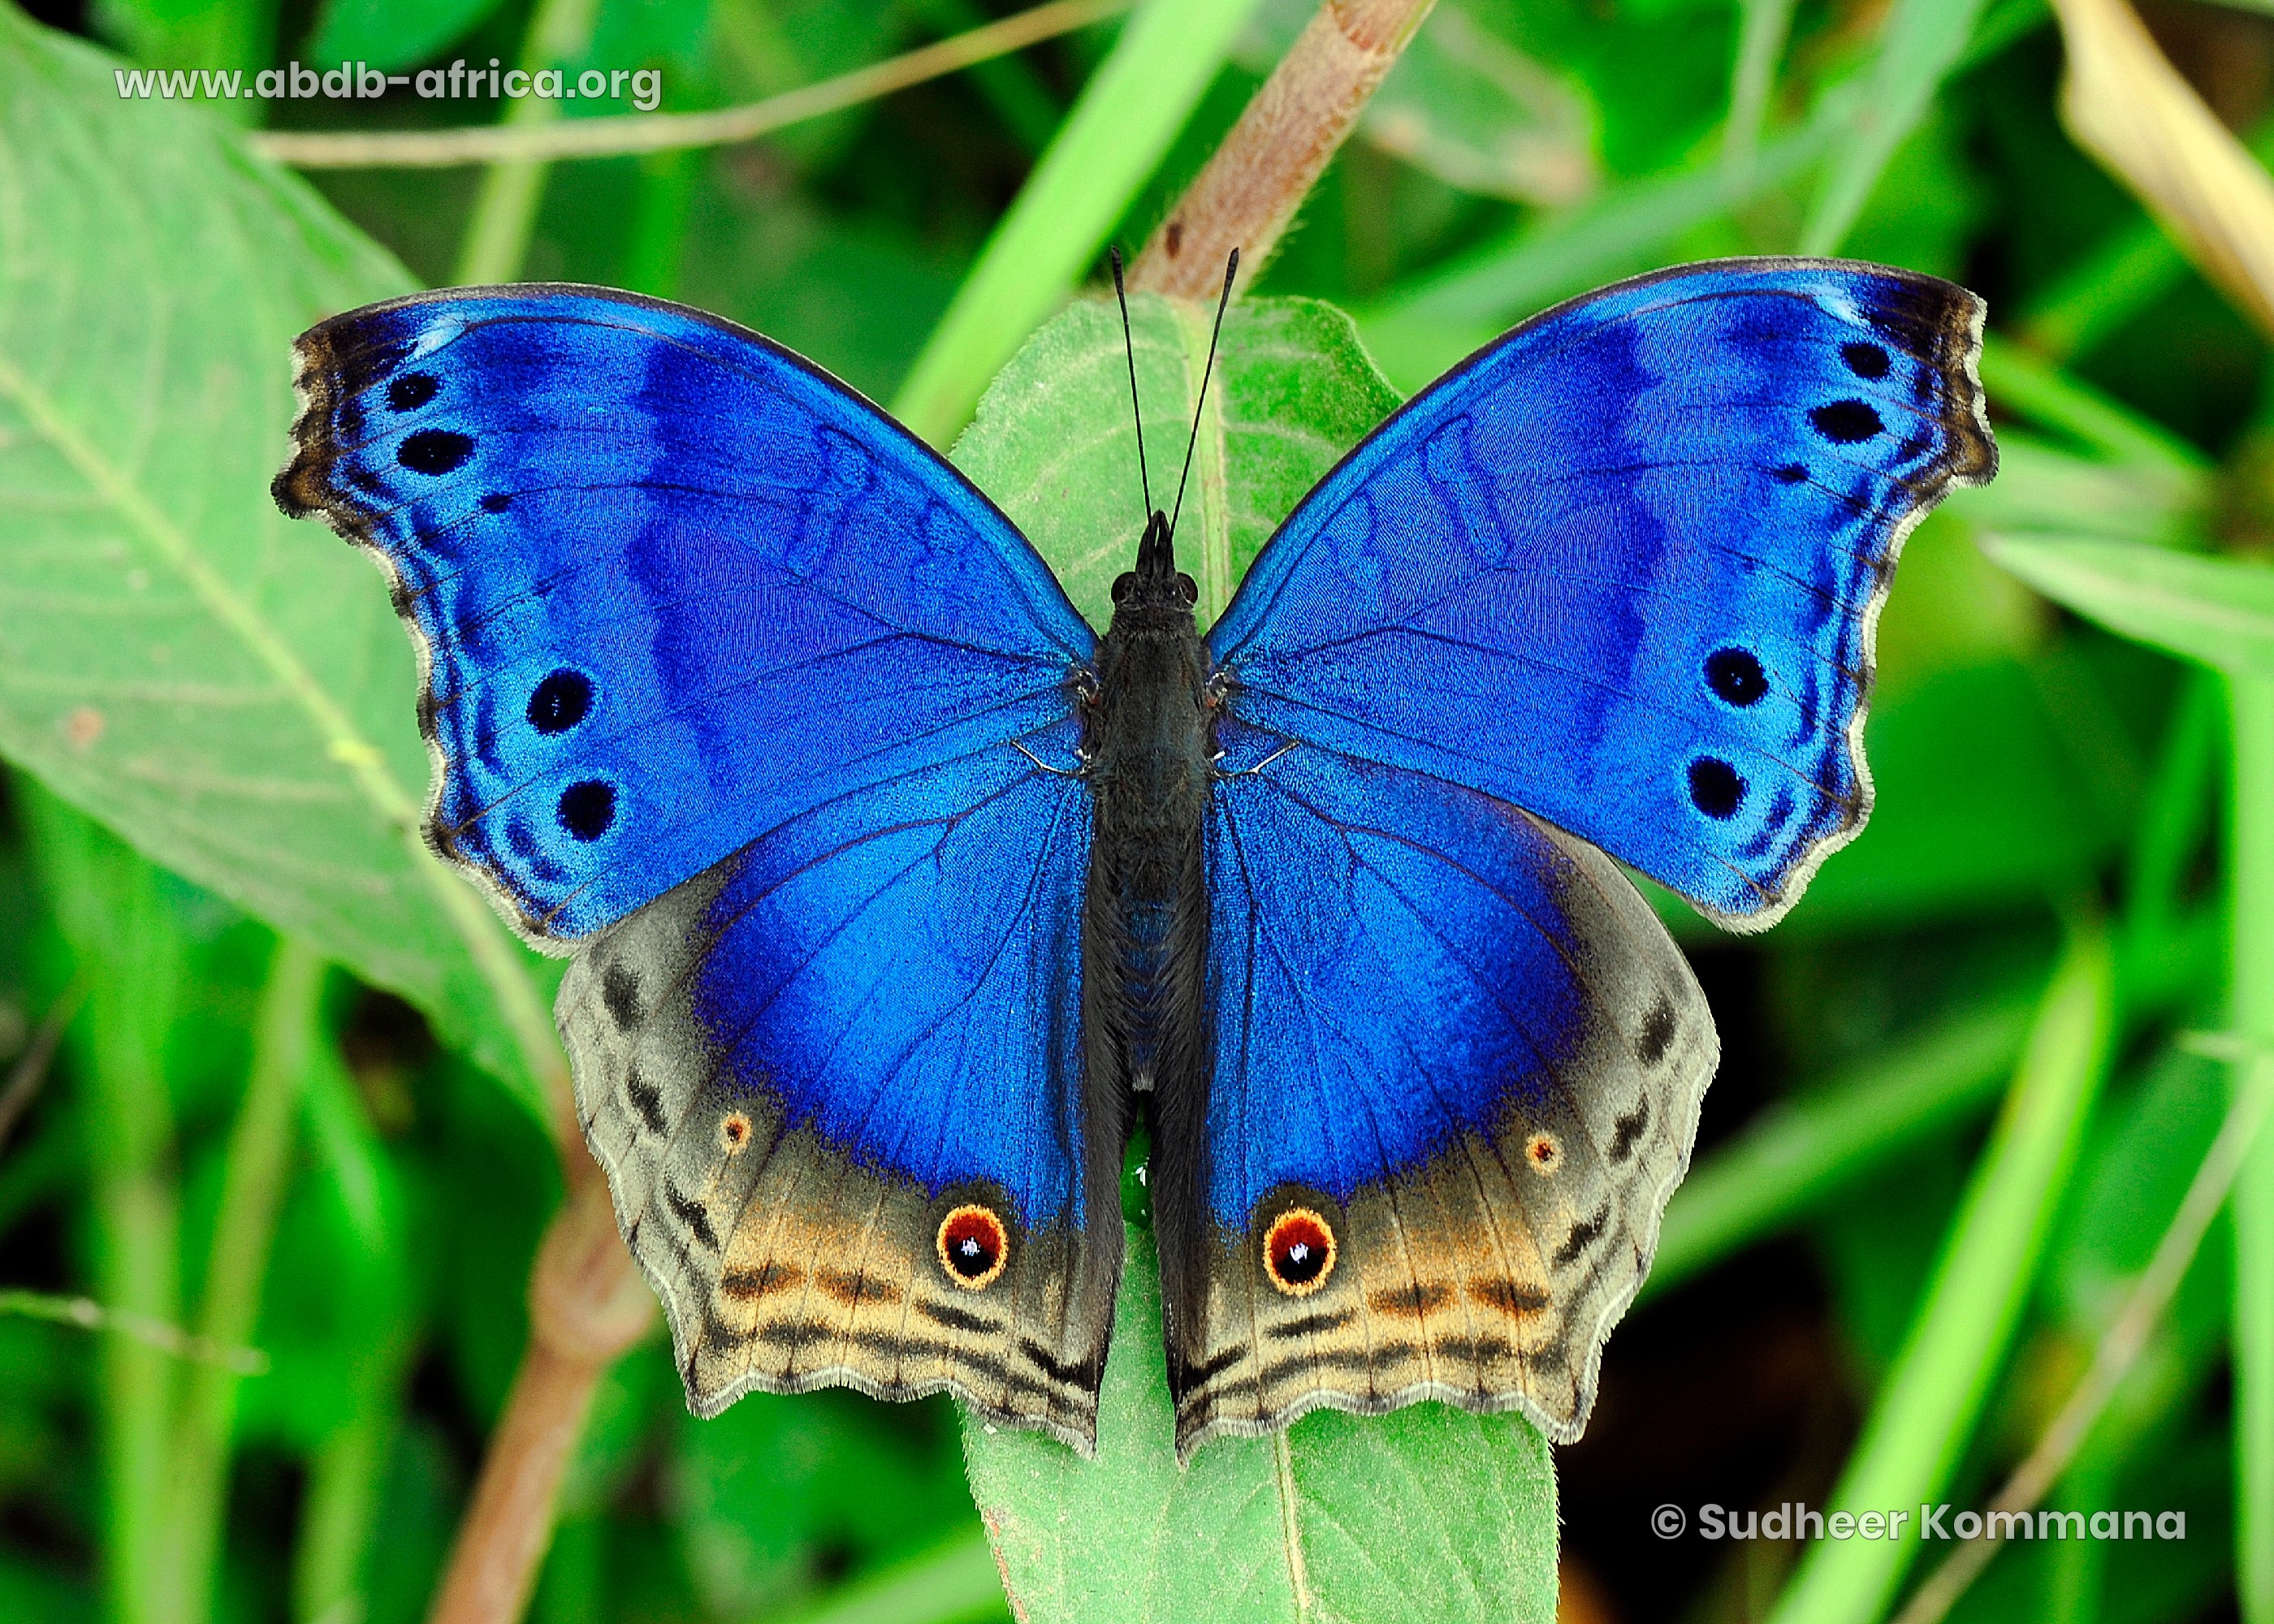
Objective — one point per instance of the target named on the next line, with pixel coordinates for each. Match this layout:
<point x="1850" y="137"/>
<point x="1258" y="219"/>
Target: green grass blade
<point x="2253" y="859"/>
<point x="505" y="204"/>
<point x="253" y="1171"/>
<point x="1127" y="114"/>
<point x="112" y="914"/>
<point x="1804" y="1149"/>
<point x="1934" y="1395"/>
<point x="1763" y="26"/>
<point x="2219" y="611"/>
<point x="1428" y="323"/>
<point x="2021" y="382"/>
<point x="1921" y="41"/>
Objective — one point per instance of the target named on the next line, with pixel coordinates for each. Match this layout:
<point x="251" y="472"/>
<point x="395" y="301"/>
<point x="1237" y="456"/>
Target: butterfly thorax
<point x="1152" y="739"/>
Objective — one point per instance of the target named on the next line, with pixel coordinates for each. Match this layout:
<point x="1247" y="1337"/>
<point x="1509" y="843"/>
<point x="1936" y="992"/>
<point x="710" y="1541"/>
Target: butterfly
<point x="896" y="891"/>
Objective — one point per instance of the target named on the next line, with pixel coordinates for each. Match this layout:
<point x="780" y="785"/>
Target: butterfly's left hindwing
<point x="731" y="683"/>
<point x="827" y="1078"/>
<point x="1457" y="1069"/>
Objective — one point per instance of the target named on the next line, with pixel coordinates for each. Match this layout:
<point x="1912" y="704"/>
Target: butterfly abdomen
<point x="1150" y="772"/>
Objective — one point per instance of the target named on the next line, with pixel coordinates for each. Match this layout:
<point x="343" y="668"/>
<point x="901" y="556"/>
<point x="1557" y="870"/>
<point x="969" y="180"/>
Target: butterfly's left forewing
<point x="738" y="691"/>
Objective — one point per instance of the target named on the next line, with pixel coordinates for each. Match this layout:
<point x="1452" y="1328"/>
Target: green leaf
<point x="226" y="688"/>
<point x="1055" y="445"/>
<point x="2218" y="611"/>
<point x="1425" y="1514"/>
<point x="1129" y="113"/>
<point x="1921" y="41"/>
<point x="390" y="35"/>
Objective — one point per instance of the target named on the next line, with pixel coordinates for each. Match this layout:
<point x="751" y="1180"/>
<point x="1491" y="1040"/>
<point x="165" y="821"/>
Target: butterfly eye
<point x="973" y="1247"/>
<point x="1121" y="585"/>
<point x="1299" y="1253"/>
<point x="1190" y="589"/>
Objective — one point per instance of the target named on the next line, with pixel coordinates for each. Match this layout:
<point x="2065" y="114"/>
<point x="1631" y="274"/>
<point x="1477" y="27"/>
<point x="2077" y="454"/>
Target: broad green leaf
<point x="1430" y="1514"/>
<point x="1427" y="1515"/>
<point x="226" y="688"/>
<point x="1128" y="114"/>
<point x="1054" y="442"/>
<point x="2219" y="611"/>
<point x="393" y="34"/>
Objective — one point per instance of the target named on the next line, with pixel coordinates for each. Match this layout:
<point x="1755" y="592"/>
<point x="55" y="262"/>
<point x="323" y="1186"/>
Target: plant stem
<point x="1762" y="30"/>
<point x="244" y="1227"/>
<point x="625" y="135"/>
<point x="1248" y="193"/>
<point x="1110" y="144"/>
<point x="1934" y="1393"/>
<point x="505" y="207"/>
<point x="588" y="1304"/>
<point x="2253" y="866"/>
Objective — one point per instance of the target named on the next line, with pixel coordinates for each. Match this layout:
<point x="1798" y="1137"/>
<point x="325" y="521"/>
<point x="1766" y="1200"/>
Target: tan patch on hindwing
<point x="1489" y="1276"/>
<point x="783" y="1264"/>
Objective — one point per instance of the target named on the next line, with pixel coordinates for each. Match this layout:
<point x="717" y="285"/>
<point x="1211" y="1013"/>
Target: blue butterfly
<point x="895" y="890"/>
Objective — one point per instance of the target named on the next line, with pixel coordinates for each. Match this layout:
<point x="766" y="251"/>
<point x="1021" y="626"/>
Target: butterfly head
<point x="1157" y="582"/>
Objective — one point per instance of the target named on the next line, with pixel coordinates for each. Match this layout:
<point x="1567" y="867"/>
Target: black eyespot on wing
<point x="589" y="808"/>
<point x="434" y="451"/>
<point x="1864" y="360"/>
<point x="1846" y="422"/>
<point x="1791" y="473"/>
<point x="412" y="390"/>
<point x="1735" y="676"/>
<point x="561" y="702"/>
<point x="496" y="502"/>
<point x="1716" y="789"/>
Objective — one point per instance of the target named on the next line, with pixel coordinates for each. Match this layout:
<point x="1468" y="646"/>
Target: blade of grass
<point x="625" y="135"/>
<point x="2252" y="858"/>
<point x="1934" y="1395"/>
<point x="89" y="1315"/>
<point x="2126" y="1337"/>
<point x="2219" y="611"/>
<point x="2022" y="382"/>
<point x="505" y="207"/>
<point x="1763" y="26"/>
<point x="109" y="910"/>
<point x="1921" y="41"/>
<point x="244" y="1226"/>
<point x="1803" y="1148"/>
<point x="1127" y="115"/>
<point x="1433" y="320"/>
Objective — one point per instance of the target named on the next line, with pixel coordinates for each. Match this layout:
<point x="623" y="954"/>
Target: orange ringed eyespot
<point x="1543" y="1152"/>
<point x="1299" y="1253"/>
<point x="973" y="1247"/>
<point x="734" y="1132"/>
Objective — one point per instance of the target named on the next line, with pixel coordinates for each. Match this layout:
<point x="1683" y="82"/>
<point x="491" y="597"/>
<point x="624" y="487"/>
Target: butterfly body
<point x="894" y="890"/>
<point x="1150" y="773"/>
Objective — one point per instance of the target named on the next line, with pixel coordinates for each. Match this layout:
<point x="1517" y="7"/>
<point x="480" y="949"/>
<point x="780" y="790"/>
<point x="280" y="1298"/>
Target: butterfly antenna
<point x="1130" y="343"/>
<point x="1231" y="269"/>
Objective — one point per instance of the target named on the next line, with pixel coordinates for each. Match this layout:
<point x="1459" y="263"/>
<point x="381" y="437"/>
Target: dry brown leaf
<point x="2128" y="107"/>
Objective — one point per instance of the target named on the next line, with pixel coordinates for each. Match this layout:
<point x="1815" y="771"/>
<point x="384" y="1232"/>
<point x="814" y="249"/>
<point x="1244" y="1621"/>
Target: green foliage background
<point x="331" y="1145"/>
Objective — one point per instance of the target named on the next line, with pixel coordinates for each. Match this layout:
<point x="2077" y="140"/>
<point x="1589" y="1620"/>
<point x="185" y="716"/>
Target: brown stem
<point x="1250" y="190"/>
<point x="587" y="1306"/>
